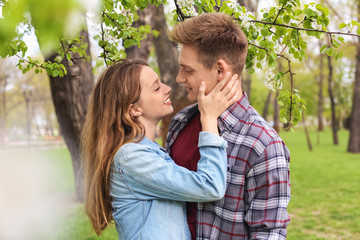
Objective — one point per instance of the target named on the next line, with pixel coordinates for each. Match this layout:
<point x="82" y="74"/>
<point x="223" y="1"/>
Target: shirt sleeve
<point x="148" y="174"/>
<point x="269" y="193"/>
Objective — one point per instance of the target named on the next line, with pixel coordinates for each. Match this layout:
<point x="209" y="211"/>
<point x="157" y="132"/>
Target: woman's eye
<point x="157" y="89"/>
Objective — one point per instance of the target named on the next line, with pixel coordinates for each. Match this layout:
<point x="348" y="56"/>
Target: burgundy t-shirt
<point x="185" y="152"/>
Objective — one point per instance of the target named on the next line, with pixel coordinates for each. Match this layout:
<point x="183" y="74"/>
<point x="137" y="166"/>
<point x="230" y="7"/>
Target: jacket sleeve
<point x="269" y="196"/>
<point x="152" y="177"/>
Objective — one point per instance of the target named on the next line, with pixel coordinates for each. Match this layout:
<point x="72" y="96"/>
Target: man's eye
<point x="157" y="89"/>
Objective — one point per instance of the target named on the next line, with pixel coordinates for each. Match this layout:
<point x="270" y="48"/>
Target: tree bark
<point x="332" y="101"/>
<point x="321" y="97"/>
<point x="142" y="53"/>
<point x="354" y="138"/>
<point x="167" y="57"/>
<point x="246" y="82"/>
<point x="70" y="96"/>
<point x="308" y="140"/>
<point x="276" y="113"/>
<point x="266" y="105"/>
<point x="246" y="85"/>
<point x="249" y="5"/>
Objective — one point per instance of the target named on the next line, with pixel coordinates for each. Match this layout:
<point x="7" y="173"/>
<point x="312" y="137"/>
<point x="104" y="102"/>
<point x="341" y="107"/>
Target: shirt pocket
<point x="235" y="187"/>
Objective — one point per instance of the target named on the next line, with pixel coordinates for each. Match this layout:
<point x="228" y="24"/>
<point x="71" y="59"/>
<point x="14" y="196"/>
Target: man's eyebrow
<point x="186" y="66"/>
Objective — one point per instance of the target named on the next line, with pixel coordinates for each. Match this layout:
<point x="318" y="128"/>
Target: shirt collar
<point x="230" y="117"/>
<point x="227" y="119"/>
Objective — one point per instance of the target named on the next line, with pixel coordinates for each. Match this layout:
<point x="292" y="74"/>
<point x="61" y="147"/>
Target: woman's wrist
<point x="209" y="124"/>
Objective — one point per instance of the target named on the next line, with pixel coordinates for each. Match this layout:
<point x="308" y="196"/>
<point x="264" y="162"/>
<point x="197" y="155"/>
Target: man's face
<point x="192" y="73"/>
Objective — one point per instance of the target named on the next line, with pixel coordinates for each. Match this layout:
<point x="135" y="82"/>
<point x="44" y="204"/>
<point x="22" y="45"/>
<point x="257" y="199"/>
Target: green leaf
<point x="280" y="31"/>
<point x="68" y="56"/>
<point x="341" y="39"/>
<point x="330" y="51"/>
<point x="286" y="18"/>
<point x="264" y="32"/>
<point x="307" y="24"/>
<point x="342" y="25"/>
<point x="273" y="55"/>
<point x="323" y="48"/>
<point x="251" y="71"/>
<point x="298" y="12"/>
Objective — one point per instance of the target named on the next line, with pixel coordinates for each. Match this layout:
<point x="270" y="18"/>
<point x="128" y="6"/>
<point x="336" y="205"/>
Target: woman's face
<point x="154" y="102"/>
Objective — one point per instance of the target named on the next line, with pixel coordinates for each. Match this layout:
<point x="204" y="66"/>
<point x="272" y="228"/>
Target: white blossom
<point x="278" y="48"/>
<point x="232" y="4"/>
<point x="269" y="79"/>
<point x="245" y="19"/>
<point x="187" y="7"/>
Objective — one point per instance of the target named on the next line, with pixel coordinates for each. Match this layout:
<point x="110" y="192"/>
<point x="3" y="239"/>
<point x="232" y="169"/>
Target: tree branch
<point x="279" y="13"/>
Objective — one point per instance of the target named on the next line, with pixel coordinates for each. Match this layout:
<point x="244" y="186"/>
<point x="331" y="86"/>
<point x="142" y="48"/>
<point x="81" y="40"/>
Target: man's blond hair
<point x="215" y="36"/>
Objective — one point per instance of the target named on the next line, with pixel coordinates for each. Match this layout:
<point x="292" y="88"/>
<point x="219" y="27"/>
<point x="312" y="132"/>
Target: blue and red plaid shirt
<point x="258" y="180"/>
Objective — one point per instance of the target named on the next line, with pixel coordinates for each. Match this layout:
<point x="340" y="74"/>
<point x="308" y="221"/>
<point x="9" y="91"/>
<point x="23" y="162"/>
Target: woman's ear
<point x="222" y="69"/>
<point x="134" y="110"/>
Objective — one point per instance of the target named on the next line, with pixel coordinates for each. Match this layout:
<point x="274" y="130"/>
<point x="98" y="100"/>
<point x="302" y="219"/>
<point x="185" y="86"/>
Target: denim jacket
<point x="148" y="189"/>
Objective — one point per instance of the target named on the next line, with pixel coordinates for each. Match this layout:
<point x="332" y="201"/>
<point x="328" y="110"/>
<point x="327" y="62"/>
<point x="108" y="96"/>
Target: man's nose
<point x="180" y="78"/>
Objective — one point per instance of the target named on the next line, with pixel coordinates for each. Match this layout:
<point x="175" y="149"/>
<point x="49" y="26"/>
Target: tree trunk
<point x="249" y="5"/>
<point x="276" y="113"/>
<point x="167" y="57"/>
<point x="332" y="101"/>
<point x="70" y="96"/>
<point x="354" y="139"/>
<point x="321" y="98"/>
<point x="266" y="105"/>
<point x="308" y="140"/>
<point x="142" y="53"/>
<point x="246" y="82"/>
<point x="246" y="85"/>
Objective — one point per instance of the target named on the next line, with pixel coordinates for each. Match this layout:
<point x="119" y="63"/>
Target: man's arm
<point x="268" y="188"/>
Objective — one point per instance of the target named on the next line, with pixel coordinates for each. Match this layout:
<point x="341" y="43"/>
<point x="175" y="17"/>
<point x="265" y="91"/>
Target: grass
<point x="325" y="188"/>
<point x="324" y="199"/>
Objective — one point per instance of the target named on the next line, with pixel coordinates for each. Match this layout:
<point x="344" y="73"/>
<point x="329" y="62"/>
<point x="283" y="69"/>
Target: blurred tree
<point x="70" y="94"/>
<point x="167" y="55"/>
<point x="320" y="94"/>
<point x="334" y="123"/>
<point x="354" y="139"/>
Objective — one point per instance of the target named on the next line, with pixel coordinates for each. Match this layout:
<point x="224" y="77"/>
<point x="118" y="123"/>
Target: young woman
<point x="129" y="177"/>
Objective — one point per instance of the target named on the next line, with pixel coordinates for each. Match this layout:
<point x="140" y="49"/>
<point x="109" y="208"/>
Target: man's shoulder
<point x="253" y="132"/>
<point x="253" y="123"/>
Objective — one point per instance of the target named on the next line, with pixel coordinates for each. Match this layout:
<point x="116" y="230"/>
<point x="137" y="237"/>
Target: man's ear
<point x="134" y="110"/>
<point x="222" y="69"/>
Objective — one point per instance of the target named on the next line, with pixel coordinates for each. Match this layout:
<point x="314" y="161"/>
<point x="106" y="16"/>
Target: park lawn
<point x="324" y="199"/>
<point x="325" y="188"/>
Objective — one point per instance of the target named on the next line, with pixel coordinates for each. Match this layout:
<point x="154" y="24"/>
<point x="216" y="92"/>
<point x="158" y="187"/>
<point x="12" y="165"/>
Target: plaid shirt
<point x="258" y="181"/>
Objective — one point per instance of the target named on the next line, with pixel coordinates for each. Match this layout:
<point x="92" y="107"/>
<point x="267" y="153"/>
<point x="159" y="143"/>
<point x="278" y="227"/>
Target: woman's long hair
<point x="108" y="126"/>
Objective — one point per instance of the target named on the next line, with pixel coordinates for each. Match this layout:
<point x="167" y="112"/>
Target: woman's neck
<point x="150" y="128"/>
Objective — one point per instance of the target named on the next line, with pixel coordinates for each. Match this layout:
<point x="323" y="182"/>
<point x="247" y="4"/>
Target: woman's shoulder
<point x="132" y="149"/>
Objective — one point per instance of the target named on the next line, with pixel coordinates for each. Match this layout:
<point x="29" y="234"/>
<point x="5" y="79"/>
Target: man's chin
<point x="192" y="99"/>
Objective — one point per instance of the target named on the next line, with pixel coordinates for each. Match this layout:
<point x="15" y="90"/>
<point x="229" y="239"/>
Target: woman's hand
<point x="217" y="101"/>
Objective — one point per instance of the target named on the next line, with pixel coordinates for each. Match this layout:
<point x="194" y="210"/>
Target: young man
<point x="258" y="183"/>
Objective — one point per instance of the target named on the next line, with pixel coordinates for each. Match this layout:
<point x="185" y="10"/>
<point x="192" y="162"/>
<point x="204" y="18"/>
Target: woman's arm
<point x="150" y="176"/>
